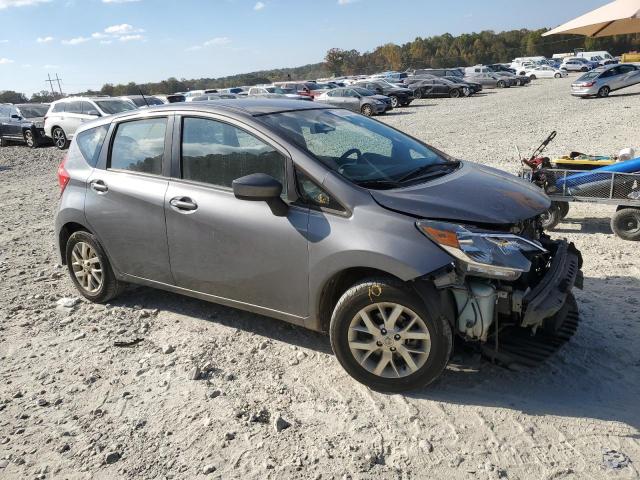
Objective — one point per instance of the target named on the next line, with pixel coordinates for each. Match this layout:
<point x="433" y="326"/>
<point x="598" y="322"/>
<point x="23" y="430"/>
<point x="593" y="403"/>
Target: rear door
<point x="14" y="124"/>
<point x="72" y="118"/>
<point x="4" y="119"/>
<point x="125" y="199"/>
<point x="236" y="250"/>
<point x="351" y="100"/>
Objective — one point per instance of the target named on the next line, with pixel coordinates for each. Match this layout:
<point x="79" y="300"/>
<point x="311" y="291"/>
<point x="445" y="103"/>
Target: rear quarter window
<point x="58" y="107"/>
<point x="90" y="142"/>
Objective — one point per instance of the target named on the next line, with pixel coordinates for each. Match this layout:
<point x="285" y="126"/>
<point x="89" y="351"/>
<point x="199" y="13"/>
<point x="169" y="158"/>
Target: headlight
<point x="39" y="124"/>
<point x="482" y="253"/>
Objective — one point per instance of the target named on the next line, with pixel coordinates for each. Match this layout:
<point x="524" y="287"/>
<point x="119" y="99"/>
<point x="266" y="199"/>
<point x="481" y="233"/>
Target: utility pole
<point x="59" y="87"/>
<point x="50" y="82"/>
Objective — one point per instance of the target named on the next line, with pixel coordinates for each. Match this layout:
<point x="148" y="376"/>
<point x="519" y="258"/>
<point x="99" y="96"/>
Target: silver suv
<point x="67" y="115"/>
<point x="324" y="218"/>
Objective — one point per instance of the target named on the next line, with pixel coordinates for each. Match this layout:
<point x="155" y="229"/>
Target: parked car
<point x="502" y="71"/>
<point x="144" y="101"/>
<point x="499" y="67"/>
<point x="357" y="99"/>
<point x="439" y="87"/>
<point x="575" y="64"/>
<point x="212" y="96"/>
<point x="605" y="58"/>
<point x="475" y="87"/>
<point x="239" y="91"/>
<point x="545" y="72"/>
<point x="23" y="123"/>
<point x="604" y="80"/>
<point x="306" y="89"/>
<point x="389" y="245"/>
<point x="65" y="116"/>
<point x="400" y="96"/>
<point x="489" y="80"/>
<point x="272" y="91"/>
<point x="440" y="72"/>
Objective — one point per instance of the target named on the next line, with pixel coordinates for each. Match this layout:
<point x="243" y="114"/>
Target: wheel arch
<point x="65" y="232"/>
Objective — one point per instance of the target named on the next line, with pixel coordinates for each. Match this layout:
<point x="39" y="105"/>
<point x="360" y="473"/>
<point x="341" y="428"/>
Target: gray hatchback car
<point x="324" y="218"/>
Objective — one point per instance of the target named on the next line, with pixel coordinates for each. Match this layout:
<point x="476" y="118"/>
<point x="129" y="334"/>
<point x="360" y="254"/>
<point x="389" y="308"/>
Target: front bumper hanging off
<point x="549" y="308"/>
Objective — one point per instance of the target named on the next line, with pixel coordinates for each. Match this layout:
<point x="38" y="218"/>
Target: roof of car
<point x="254" y="106"/>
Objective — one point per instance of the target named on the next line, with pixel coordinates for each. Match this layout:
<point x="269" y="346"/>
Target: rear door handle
<point x="183" y="204"/>
<point x="99" y="186"/>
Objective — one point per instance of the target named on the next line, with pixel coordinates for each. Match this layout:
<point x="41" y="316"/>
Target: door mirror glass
<point x="16" y="117"/>
<point x="257" y="187"/>
<point x="94" y="113"/>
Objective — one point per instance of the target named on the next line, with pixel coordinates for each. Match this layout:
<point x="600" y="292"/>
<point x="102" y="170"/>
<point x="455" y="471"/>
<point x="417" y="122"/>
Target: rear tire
<point x="418" y="93"/>
<point x="625" y="223"/>
<point x="604" y="92"/>
<point x="90" y="269"/>
<point x="533" y="77"/>
<point x="564" y="209"/>
<point x="395" y="103"/>
<point x="584" y="69"/>
<point x="60" y="138"/>
<point x="364" y="346"/>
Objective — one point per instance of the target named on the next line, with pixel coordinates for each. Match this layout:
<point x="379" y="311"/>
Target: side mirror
<point x="261" y="187"/>
<point x="16" y="117"/>
<point x="94" y="113"/>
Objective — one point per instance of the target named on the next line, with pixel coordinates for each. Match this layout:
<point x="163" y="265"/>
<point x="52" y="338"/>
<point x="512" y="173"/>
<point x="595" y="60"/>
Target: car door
<point x="14" y="124"/>
<point x="630" y="75"/>
<point x="4" y="119"/>
<point x="124" y="203"/>
<point x="238" y="251"/>
<point x="89" y="112"/>
<point x="71" y="118"/>
<point x="351" y="100"/>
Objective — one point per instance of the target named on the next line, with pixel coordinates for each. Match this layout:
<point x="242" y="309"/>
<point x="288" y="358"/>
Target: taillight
<point x="589" y="84"/>
<point x="63" y="175"/>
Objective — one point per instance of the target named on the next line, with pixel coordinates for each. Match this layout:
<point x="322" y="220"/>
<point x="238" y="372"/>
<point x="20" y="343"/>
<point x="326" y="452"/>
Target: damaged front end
<point x="512" y="288"/>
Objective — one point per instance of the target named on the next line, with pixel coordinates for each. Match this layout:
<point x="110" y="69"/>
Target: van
<point x="601" y="53"/>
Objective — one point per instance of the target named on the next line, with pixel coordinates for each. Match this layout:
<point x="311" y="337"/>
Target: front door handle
<point x="183" y="204"/>
<point x="99" y="186"/>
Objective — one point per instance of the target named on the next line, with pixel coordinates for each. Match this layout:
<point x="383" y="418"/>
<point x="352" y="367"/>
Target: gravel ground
<point x="161" y="386"/>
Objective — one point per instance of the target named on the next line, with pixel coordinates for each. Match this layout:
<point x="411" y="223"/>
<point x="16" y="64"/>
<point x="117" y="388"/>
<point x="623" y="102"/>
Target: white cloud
<point x="346" y="2"/>
<point x="130" y="38"/>
<point x="76" y="41"/>
<point x="259" y="6"/>
<point x="44" y="39"/>
<point x="106" y="42"/>
<point x="217" y="41"/>
<point x="122" y="29"/>
<point x="20" y="3"/>
<point x="4" y="41"/>
<point x="5" y="61"/>
<point x="98" y="35"/>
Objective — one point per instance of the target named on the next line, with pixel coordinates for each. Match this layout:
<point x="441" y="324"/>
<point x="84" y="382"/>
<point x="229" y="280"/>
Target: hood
<point x="472" y="194"/>
<point x="382" y="98"/>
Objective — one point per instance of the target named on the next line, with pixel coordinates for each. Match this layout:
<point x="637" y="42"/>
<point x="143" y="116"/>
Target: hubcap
<point x="389" y="340"/>
<point x="86" y="267"/>
<point x="29" y="138"/>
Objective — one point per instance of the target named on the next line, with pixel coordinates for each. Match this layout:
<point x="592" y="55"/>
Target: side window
<point x="90" y="141"/>
<point x="87" y="107"/>
<point x="58" y="107"/>
<point x="4" y="111"/>
<point x="218" y="153"/>
<point x="139" y="146"/>
<point x="315" y="195"/>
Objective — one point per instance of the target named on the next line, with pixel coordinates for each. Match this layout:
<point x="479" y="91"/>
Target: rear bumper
<point x="550" y="295"/>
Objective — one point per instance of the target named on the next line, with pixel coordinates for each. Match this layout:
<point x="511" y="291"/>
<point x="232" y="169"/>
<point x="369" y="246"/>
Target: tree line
<point x="436" y="51"/>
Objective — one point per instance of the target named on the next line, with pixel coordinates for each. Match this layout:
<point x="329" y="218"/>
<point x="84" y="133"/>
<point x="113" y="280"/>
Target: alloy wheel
<point x="367" y="111"/>
<point x="395" y="103"/>
<point x="59" y="138"/>
<point x="389" y="340"/>
<point x="28" y="138"/>
<point x="87" y="267"/>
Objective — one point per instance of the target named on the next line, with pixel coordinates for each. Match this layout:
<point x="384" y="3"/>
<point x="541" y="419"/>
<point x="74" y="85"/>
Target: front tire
<point x="30" y="139"/>
<point x="551" y="218"/>
<point x="59" y="138"/>
<point x="454" y="93"/>
<point x="3" y="142"/>
<point x="557" y="75"/>
<point x="384" y="336"/>
<point x="625" y="223"/>
<point x="533" y="77"/>
<point x="90" y="269"/>
<point x="501" y="84"/>
<point x="366" y="110"/>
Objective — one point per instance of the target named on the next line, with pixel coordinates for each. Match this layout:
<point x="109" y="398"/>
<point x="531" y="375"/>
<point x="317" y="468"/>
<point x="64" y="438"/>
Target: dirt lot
<point x="207" y="390"/>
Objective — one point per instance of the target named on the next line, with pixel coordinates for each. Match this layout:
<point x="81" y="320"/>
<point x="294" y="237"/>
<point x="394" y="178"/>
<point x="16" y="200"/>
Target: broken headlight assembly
<point x="482" y="253"/>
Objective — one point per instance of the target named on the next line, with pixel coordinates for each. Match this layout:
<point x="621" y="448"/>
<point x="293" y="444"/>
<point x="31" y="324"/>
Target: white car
<point x="544" y="71"/>
<point x="67" y="115"/>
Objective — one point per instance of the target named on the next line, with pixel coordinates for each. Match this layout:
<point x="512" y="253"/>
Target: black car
<point x="400" y="97"/>
<point x="498" y="67"/>
<point x="23" y="123"/>
<point x="439" y="87"/>
<point x="475" y="87"/>
<point x="440" y="72"/>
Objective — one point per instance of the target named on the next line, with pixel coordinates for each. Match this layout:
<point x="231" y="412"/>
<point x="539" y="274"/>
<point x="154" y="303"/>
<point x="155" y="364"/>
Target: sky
<point x="92" y="42"/>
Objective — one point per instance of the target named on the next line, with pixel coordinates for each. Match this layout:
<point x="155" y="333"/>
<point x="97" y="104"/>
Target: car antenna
<point x="143" y="97"/>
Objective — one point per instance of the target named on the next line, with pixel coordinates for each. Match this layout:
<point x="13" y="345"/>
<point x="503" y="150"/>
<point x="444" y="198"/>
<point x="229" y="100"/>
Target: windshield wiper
<point x="378" y="183"/>
<point x="427" y="171"/>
